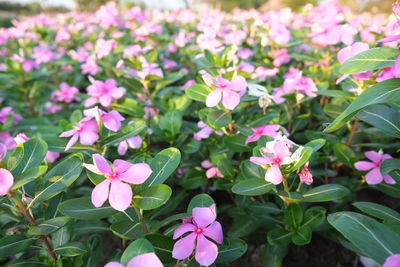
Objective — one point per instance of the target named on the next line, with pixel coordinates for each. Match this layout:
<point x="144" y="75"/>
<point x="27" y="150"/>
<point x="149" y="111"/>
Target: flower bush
<point x="183" y="138"/>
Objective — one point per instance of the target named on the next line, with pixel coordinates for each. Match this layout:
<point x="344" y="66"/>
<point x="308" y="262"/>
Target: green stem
<point x="140" y="216"/>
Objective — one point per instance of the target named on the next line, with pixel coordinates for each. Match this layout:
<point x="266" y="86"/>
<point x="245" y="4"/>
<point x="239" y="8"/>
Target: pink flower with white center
<point x="103" y="92"/>
<point x="202" y="226"/>
<point x="86" y="131"/>
<point x="392" y="261"/>
<point x="204" y="132"/>
<point x="6" y="181"/>
<point x="113" y="188"/>
<point x="276" y="153"/>
<point x="271" y="130"/>
<point x="227" y="91"/>
<point x="143" y="260"/>
<point x="374" y="176"/>
<point x="111" y="120"/>
<point x="212" y="171"/>
<point x="133" y="142"/>
<point x="65" y="94"/>
<point x="305" y="175"/>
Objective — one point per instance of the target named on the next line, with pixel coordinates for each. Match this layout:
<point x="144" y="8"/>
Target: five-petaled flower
<point x="202" y="225"/>
<point x="374" y="176"/>
<point x="120" y="193"/>
<point x="229" y="91"/>
<point x="86" y="130"/>
<point x="103" y="92"/>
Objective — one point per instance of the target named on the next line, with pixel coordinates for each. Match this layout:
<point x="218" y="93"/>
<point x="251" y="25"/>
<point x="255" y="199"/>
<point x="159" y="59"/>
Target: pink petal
<point x="206" y="251"/>
<point x="100" y="193"/>
<point x="261" y="160"/>
<point x="92" y="168"/>
<point x="212" y="172"/>
<point x="373" y="156"/>
<point x="206" y="164"/>
<point x="135" y="142"/>
<point x="122" y="148"/>
<point x="88" y="138"/>
<point x="184" y="228"/>
<point x="105" y="100"/>
<point x="90" y="126"/>
<point x="238" y="84"/>
<point x="392" y="261"/>
<point x="204" y="216"/>
<point x="214" y="98"/>
<point x="364" y="165"/>
<point x="72" y="141"/>
<point x="120" y="195"/>
<point x="184" y="247"/>
<point x="136" y="174"/>
<point x="145" y="260"/>
<point x="252" y="138"/>
<point x="121" y="166"/>
<point x="67" y="133"/>
<point x="374" y="176"/>
<point x="114" y="264"/>
<point x="111" y="123"/>
<point x="214" y="231"/>
<point x="230" y="99"/>
<point x="6" y="181"/>
<point x="389" y="39"/>
<point x="102" y="165"/>
<point x="274" y="175"/>
<point x="281" y="150"/>
<point x="90" y="101"/>
<point x="388" y="179"/>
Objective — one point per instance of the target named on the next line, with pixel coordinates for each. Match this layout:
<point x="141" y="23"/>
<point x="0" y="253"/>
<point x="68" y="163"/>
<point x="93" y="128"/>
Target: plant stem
<point x="353" y="132"/>
<point x="140" y="216"/>
<point x="32" y="221"/>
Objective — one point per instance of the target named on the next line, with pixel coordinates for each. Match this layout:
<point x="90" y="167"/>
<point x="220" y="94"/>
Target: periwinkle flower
<point x="143" y="260"/>
<point x="374" y="176"/>
<point x="6" y="181"/>
<point x="227" y="91"/>
<point x="86" y="131"/>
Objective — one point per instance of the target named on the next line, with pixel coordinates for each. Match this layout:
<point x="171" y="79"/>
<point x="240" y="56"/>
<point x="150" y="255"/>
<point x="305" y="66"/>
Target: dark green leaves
<point x="198" y="92"/>
<point x="171" y="122"/>
<point x="325" y="193"/>
<point x="252" y="187"/>
<point x="137" y="247"/>
<point x="378" y="211"/>
<point x="13" y="244"/>
<point x="28" y="176"/>
<point x="125" y="133"/>
<point x="34" y="152"/>
<point x="48" y="226"/>
<point x="83" y="209"/>
<point x="152" y="197"/>
<point x="71" y="249"/>
<point x="382" y="117"/>
<point x="219" y="118"/>
<point x="293" y="215"/>
<point x="127" y="229"/>
<point x="231" y="249"/>
<point x="200" y="201"/>
<point x="372" y="59"/>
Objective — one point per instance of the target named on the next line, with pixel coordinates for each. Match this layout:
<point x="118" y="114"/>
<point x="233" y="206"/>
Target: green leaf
<point x="171" y="122"/>
<point x="83" y="209"/>
<point x="302" y="236"/>
<point x="219" y="118"/>
<point x="344" y="154"/>
<point x="15" y="158"/>
<point x="198" y="92"/>
<point x="263" y="208"/>
<point x="392" y="190"/>
<point x="71" y="249"/>
<point x="28" y="176"/>
<point x="169" y="79"/>
<point x="372" y="59"/>
<point x="152" y="197"/>
<point x="325" y="193"/>
<point x="127" y="229"/>
<point x="314" y="216"/>
<point x="252" y="187"/>
<point x="236" y="143"/>
<point x="230" y="250"/>
<point x="272" y="256"/>
<point x="293" y="215"/>
<point x="384" y="92"/>
<point x="124" y="133"/>
<point x="49" y="226"/>
<point x="137" y="247"/>
<point x="60" y="177"/>
<point x="34" y="153"/>
<point x="389" y="165"/>
<point x="163" y="246"/>
<point x="162" y="165"/>
<point x="383" y="118"/>
<point x="279" y="237"/>
<point x="378" y="211"/>
<point x="13" y="244"/>
<point x="374" y="239"/>
<point x="200" y="201"/>
<point x="306" y="153"/>
<point x="316" y="144"/>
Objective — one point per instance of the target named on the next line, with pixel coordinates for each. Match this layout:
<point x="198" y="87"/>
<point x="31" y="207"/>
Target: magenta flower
<point x="276" y="153"/>
<point x="119" y="195"/>
<point x="202" y="225"/>
<point x="21" y="138"/>
<point x="86" y="131"/>
<point x="7" y="140"/>
<point x="271" y="130"/>
<point x="305" y="175"/>
<point x="103" y="92"/>
<point x="133" y="142"/>
<point x="111" y="120"/>
<point x="6" y="181"/>
<point x="229" y="91"/>
<point x="212" y="171"/>
<point x="204" y="132"/>
<point x="374" y="176"/>
<point x="392" y="261"/>
<point x="65" y="94"/>
<point x="7" y="112"/>
<point x="52" y="156"/>
<point x="143" y="260"/>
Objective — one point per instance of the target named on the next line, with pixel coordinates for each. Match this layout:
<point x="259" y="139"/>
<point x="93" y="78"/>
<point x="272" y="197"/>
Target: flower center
<point x="199" y="231"/>
<point x="114" y="175"/>
<point x="278" y="161"/>
<point x="222" y="85"/>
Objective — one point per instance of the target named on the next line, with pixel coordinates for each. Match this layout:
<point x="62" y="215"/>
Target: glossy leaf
<point x="83" y="209"/>
<point x="152" y="197"/>
<point x="324" y="193"/>
<point x="252" y="187"/>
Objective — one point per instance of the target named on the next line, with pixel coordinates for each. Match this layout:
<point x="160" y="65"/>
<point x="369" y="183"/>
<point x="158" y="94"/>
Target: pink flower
<point x="305" y="175"/>
<point x="187" y="84"/>
<point x="111" y="120"/>
<point x="52" y="156"/>
<point x="7" y="112"/>
<point x="392" y="261"/>
<point x="276" y="153"/>
<point x="263" y="72"/>
<point x="245" y="53"/>
<point x="212" y="170"/>
<point x="390" y="72"/>
<point x="3" y="151"/>
<point x="229" y="91"/>
<point x="103" y="92"/>
<point x="204" y="132"/>
<point x="21" y="138"/>
<point x="143" y="260"/>
<point x="65" y="94"/>
<point x="271" y="130"/>
<point x="6" y="181"/>
<point x="86" y="130"/>
<point x="281" y="56"/>
<point x="7" y="140"/>
<point x="133" y="142"/>
<point x="374" y="176"/>
<point x="120" y="194"/>
<point x="90" y="66"/>
<point x="351" y="51"/>
<point x="203" y="225"/>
